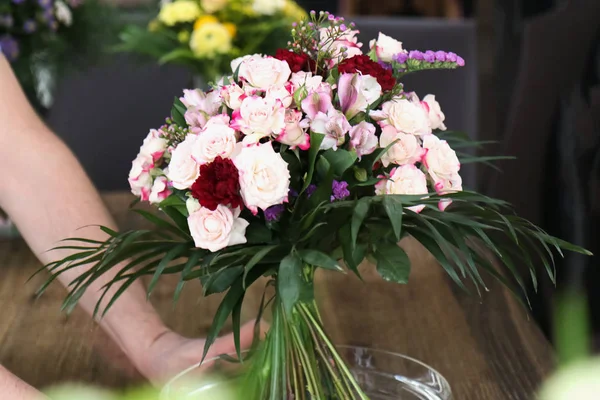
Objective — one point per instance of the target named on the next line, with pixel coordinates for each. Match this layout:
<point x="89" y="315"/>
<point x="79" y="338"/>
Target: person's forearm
<point x="14" y="388"/>
<point x="49" y="197"/>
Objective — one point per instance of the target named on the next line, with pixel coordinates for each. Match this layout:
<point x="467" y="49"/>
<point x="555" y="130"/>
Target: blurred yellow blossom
<point x="231" y="28"/>
<point x="153" y="25"/>
<point x="183" y="36"/>
<point x="179" y="11"/>
<point x="292" y="10"/>
<point x="209" y="39"/>
<point x="211" y="6"/>
<point x="268" y="7"/>
<point x="205" y="19"/>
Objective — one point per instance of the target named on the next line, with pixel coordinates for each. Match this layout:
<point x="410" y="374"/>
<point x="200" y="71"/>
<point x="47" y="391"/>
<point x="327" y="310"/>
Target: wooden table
<point x="488" y="349"/>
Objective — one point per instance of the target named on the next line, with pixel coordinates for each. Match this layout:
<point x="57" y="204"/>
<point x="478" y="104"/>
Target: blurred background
<point x="531" y="83"/>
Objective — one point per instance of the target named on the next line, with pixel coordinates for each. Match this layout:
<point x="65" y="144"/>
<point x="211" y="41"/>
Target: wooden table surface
<point x="487" y="348"/>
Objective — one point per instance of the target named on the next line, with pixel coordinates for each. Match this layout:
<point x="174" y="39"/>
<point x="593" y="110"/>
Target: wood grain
<point x="487" y="348"/>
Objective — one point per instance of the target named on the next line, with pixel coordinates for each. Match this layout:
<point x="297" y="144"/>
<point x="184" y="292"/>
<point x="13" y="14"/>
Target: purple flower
<point x="429" y="56"/>
<point x="339" y="190"/>
<point x="292" y="193"/>
<point x="415" y="55"/>
<point x="310" y="190"/>
<point x="9" y="47"/>
<point x="400" y="57"/>
<point x="440" y="56"/>
<point x="18" y="1"/>
<point x="460" y="61"/>
<point x="273" y="213"/>
<point x="451" y="57"/>
<point x="385" y="65"/>
<point x="29" y="26"/>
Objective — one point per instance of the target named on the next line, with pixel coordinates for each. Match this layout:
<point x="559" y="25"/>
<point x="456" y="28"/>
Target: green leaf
<point x="229" y="301"/>
<point x="191" y="263"/>
<point x="352" y="256"/>
<point x="222" y="279"/>
<point x="179" y="219"/>
<point x="289" y="281"/>
<point x="319" y="259"/>
<point x="236" y="316"/>
<point x="393" y="263"/>
<point x="258" y="234"/>
<point x="315" y="143"/>
<point x="394" y="210"/>
<point x="256" y="258"/>
<point x="161" y="223"/>
<point x="340" y="160"/>
<point x="176" y="54"/>
<point x="178" y="117"/>
<point x="358" y="216"/>
<point x="173" y="254"/>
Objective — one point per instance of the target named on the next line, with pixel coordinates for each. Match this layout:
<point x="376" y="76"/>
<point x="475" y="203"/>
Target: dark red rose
<point x="218" y="183"/>
<point x="363" y="64"/>
<point x="296" y="61"/>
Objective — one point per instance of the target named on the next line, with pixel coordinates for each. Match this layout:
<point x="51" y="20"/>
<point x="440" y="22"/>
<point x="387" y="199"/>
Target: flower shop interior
<point x="532" y="113"/>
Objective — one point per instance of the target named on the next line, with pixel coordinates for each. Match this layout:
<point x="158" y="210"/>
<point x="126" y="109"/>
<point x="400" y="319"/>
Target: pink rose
<point x="405" y="179"/>
<point x="363" y="139"/>
<point x="233" y="95"/>
<point x="264" y="177"/>
<point x="406" y="150"/>
<point x="154" y="145"/>
<point x="215" y="230"/>
<point x="346" y="40"/>
<point x="386" y="47"/>
<point x="217" y="139"/>
<point x="440" y="160"/>
<point x="160" y="190"/>
<point x="404" y="115"/>
<point x="183" y="170"/>
<point x="283" y="94"/>
<point x="264" y="72"/>
<point x="357" y="92"/>
<point x="140" y="179"/>
<point x="258" y="118"/>
<point x="333" y="125"/>
<point x="445" y="186"/>
<point x="295" y="134"/>
<point x="434" y="112"/>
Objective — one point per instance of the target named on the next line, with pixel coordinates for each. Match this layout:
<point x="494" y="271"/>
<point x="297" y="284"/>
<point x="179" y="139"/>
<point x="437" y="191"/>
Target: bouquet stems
<point x="298" y="360"/>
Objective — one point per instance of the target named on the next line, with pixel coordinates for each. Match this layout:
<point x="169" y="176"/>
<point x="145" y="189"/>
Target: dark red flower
<point x="296" y="61"/>
<point x="218" y="183"/>
<point x="363" y="64"/>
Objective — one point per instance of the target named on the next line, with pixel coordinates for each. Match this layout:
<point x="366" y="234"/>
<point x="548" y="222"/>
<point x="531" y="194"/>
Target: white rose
<point x="215" y="230"/>
<point x="405" y="116"/>
<point x="307" y="80"/>
<point x="140" y="179"/>
<point x="236" y="62"/>
<point x="333" y="125"/>
<point x="216" y="139"/>
<point x="405" y="179"/>
<point x="434" y="112"/>
<point x="183" y="170"/>
<point x="445" y="186"/>
<point x="265" y="72"/>
<point x="357" y="92"/>
<point x="232" y="96"/>
<point x="211" y="6"/>
<point x="268" y="7"/>
<point x="363" y="139"/>
<point x="258" y="117"/>
<point x="295" y="134"/>
<point x="192" y="205"/>
<point x="283" y="94"/>
<point x="406" y="150"/>
<point x="160" y="190"/>
<point x="386" y="47"/>
<point x="63" y="13"/>
<point x="153" y="146"/>
<point x="440" y="160"/>
<point x="264" y="177"/>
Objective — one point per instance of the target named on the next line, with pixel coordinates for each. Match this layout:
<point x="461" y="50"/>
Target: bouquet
<point x="42" y="38"/>
<point x="290" y="164"/>
<point x="206" y="35"/>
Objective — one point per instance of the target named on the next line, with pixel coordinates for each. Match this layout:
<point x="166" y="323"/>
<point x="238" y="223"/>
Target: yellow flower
<point x="293" y="11"/>
<point x="210" y="39"/>
<point x="231" y="28"/>
<point x="205" y="19"/>
<point x="211" y="6"/>
<point x="153" y="25"/>
<point x="183" y="36"/>
<point x="179" y="11"/>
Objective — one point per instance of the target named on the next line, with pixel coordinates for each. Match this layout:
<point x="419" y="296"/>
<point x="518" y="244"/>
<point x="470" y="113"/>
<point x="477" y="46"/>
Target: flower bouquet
<point x="42" y="38"/>
<point x="290" y="164"/>
<point x="205" y="35"/>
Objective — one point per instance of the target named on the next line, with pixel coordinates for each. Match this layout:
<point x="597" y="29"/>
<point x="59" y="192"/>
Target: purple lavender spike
<point x="440" y="56"/>
<point x="9" y="47"/>
<point x="460" y="61"/>
<point x="415" y="55"/>
<point x="452" y="57"/>
<point x="400" y="57"/>
<point x="429" y="56"/>
<point x="273" y="213"/>
<point x="310" y="190"/>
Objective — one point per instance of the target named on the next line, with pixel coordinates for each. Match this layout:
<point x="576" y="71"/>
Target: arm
<point x="47" y="194"/>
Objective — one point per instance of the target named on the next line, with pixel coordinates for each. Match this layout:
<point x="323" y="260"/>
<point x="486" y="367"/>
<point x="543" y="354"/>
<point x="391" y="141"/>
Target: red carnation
<point x="218" y="183"/>
<point x="363" y="64"/>
<point x="296" y="61"/>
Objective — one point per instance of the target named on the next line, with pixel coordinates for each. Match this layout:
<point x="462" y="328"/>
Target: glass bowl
<point x="383" y="375"/>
